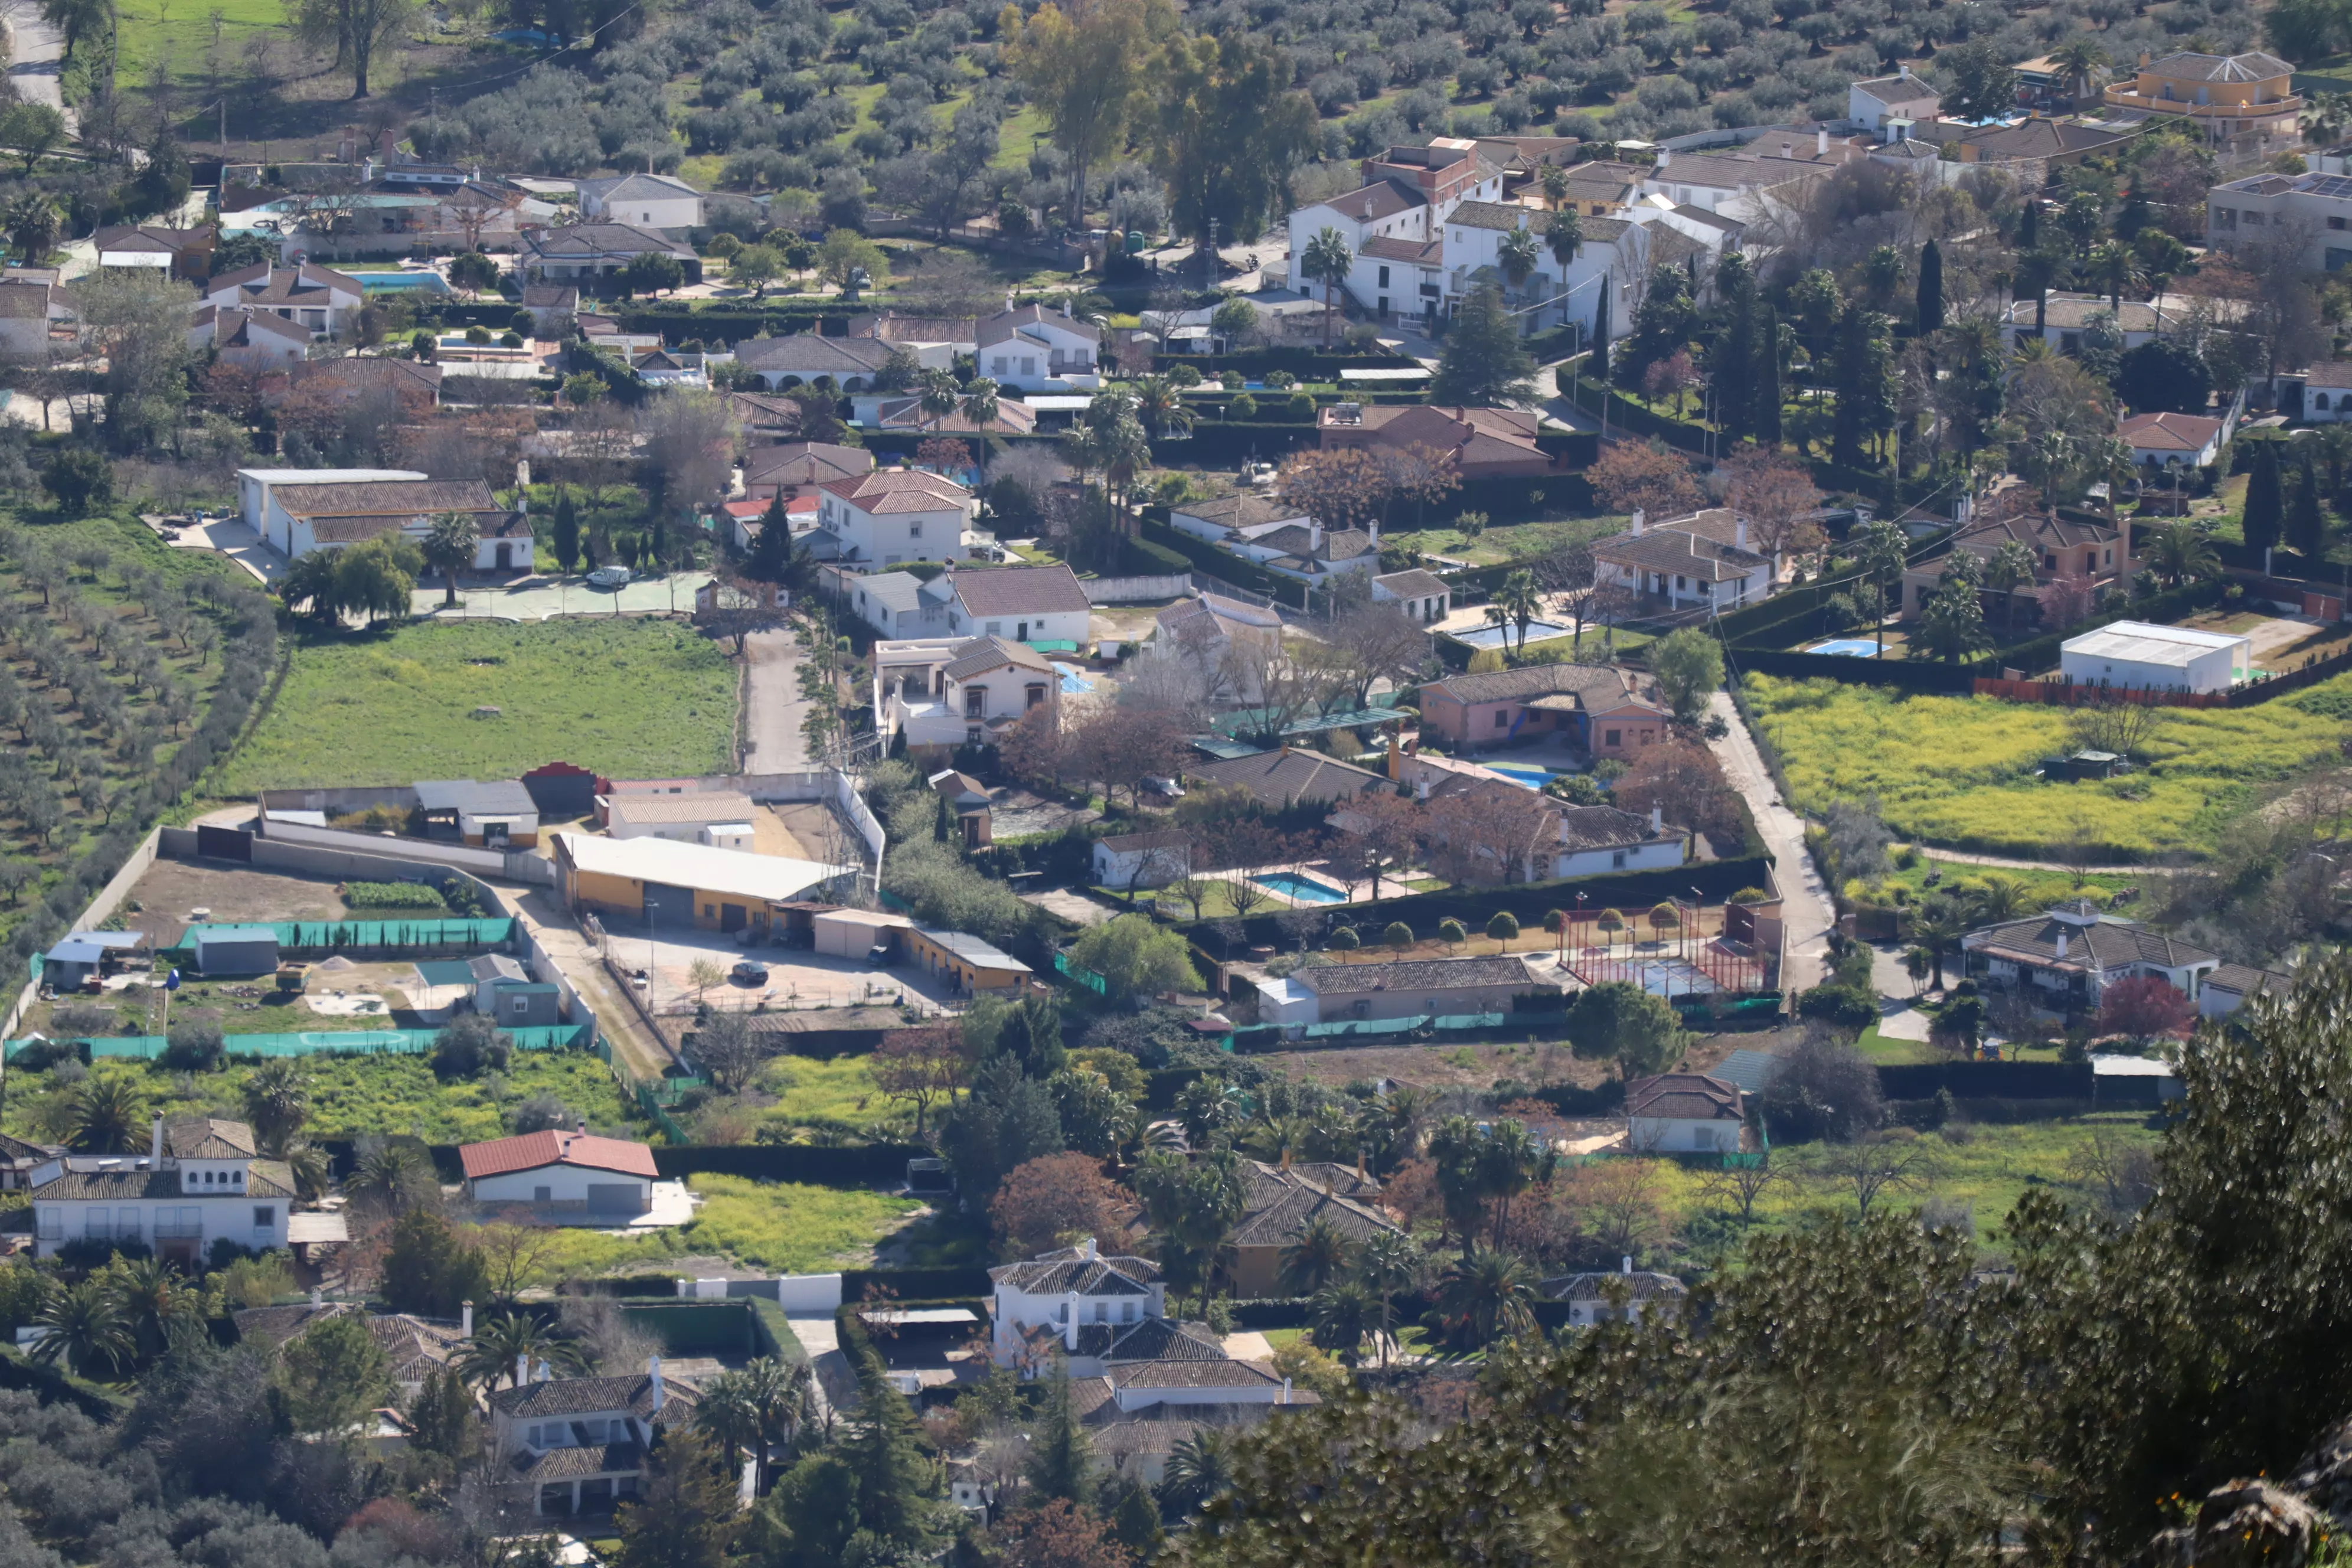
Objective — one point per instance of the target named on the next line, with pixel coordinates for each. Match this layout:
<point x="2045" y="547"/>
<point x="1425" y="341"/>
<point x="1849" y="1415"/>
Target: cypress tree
<point x="2306" y="527"/>
<point x="2029" y="228"/>
<point x="940" y="822"/>
<point x="567" y="532"/>
<point x="1931" y="288"/>
<point x="1598" y="364"/>
<point x="1846" y="428"/>
<point x="772" y="551"/>
<point x="1764" y="418"/>
<point x="1732" y="363"/>
<point x="1061" y="1459"/>
<point x="2263" y="508"/>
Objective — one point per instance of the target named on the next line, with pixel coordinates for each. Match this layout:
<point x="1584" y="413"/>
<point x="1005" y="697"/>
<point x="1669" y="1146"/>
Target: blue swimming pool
<point x="1853" y="648"/>
<point x="1073" y="680"/>
<point x="404" y="282"/>
<point x="1521" y="773"/>
<point x="1501" y="636"/>
<point x="1300" y="889"/>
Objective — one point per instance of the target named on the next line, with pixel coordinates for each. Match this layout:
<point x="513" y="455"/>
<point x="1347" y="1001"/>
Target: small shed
<point x="235" y="950"/>
<point x="854" y="933"/>
<point x="2081" y="766"/>
<point x="497" y="814"/>
<point x="84" y="954"/>
<point x="525" y="1004"/>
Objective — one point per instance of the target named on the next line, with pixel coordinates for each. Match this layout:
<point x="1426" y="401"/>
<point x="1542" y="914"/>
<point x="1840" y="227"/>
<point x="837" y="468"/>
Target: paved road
<point x="1805" y="902"/>
<point x="772" y="705"/>
<point x="36" y="65"/>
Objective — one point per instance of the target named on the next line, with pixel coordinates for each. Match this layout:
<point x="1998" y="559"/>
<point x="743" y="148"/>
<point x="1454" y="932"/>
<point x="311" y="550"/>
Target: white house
<point x="889" y="602"/>
<point x="1391" y="224"/>
<point x="253" y="337"/>
<point x="563" y="1171"/>
<point x="2317" y="209"/>
<point x="1902" y="97"/>
<point x="645" y="201"/>
<point x="961" y="693"/>
<point x="1617" y="254"/>
<point x="721" y="817"/>
<point x="1678" y="1110"/>
<point x="1024" y="604"/>
<point x="1068" y="1291"/>
<point x="2134" y="654"/>
<point x="2173" y="443"/>
<point x="895" y="515"/>
<point x="2068" y="957"/>
<point x="1412" y="988"/>
<point x="1625" y="1297"/>
<point x="1229" y="518"/>
<point x="2327" y="392"/>
<point x="585" y="250"/>
<point x="199" y="1181"/>
<point x="318" y="299"/>
<point x="1313" y="553"/>
<point x="1749" y="184"/>
<point x="1142" y="860"/>
<point x="30" y="300"/>
<point x="298" y="511"/>
<point x="1420" y="593"/>
<point x="575" y="1446"/>
<point x="1596" y="839"/>
<point x="2224" y="990"/>
<point x="1032" y="348"/>
<point x="1704" y="558"/>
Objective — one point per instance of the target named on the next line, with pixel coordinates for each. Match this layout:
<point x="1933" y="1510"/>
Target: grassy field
<point x="1517" y="542"/>
<point x="175" y="38"/>
<point x="2036" y="889"/>
<point x="1957" y="771"/>
<point x="626" y="697"/>
<point x="779" y="1225"/>
<point x="356" y="1095"/>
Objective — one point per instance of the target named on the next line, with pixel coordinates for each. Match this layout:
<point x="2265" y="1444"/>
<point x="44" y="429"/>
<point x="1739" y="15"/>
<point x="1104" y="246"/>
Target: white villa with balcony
<point x="945" y="692"/>
<point x="1034" y="349"/>
<point x="199" y="1181"/>
<point x="567" y="1446"/>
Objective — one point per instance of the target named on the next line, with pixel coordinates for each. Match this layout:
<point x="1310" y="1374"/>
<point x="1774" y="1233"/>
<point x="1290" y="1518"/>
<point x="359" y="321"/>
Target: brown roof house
<point x="308" y="294"/>
<point x="1625" y="1297"/>
<point x="576" y="1446"/>
<point x="1412" y="988"/>
<point x="983" y="687"/>
<point x="2072" y="544"/>
<point x="1704" y="559"/>
<point x="256" y="339"/>
<point x="303" y="518"/>
<point x="413" y="1349"/>
<point x="1601" y="709"/>
<point x="1684" y="1111"/>
<point x="1286" y="778"/>
<point x="1487" y="443"/>
<point x="2064" y="958"/>
<point x="1282" y="1202"/>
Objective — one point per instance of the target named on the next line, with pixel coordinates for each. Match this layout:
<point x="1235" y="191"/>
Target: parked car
<point x="878" y="955"/>
<point x="749" y="973"/>
<point x="609" y="578"/>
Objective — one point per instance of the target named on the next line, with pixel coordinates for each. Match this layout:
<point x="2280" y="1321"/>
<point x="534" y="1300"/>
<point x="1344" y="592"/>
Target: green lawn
<point x="780" y="1225"/>
<point x="1957" y="771"/>
<point x="178" y="35"/>
<point x="357" y="1094"/>
<point x="2036" y="889"/>
<point x="1515" y="541"/>
<point x="624" y="697"/>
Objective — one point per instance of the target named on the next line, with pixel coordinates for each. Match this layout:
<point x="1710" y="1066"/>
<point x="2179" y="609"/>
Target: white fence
<point x="808" y="1292"/>
<point x="1136" y="590"/>
<point x="511" y="864"/>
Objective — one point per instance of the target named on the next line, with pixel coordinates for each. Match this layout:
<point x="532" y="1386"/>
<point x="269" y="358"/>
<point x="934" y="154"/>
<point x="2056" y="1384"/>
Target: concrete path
<point x="232" y="538"/>
<point x="835" y="1383"/>
<point x="772" y="705"/>
<point x="1960" y="857"/>
<point x="1806" y="906"/>
<point x="38" y="61"/>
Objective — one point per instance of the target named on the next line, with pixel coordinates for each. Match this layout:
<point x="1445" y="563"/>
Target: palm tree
<point x="2000" y="899"/>
<point x="1482" y="1297"/>
<point x="33" y="224"/>
<point x="311" y="581"/>
<point x="980" y="402"/>
<point x="730" y="1414"/>
<point x="782" y="1396"/>
<point x="1126" y="451"/>
<point x="1275" y="1138"/>
<point x="2011" y="568"/>
<point x="391" y="1176"/>
<point x="1518" y="255"/>
<point x="1160" y="407"/>
<point x="1939" y="924"/>
<point x="1388" y="1262"/>
<point x="449" y="545"/>
<point x="1521" y="602"/>
<point x="277" y="1102"/>
<point x="2177" y="552"/>
<point x="153" y="1296"/>
<point x="106" y="1116"/>
<point x="936" y="394"/>
<point x="1326" y="261"/>
<point x="1342" y="1313"/>
<point x="1564" y="237"/>
<point x="2036" y="269"/>
<point x="1320" y="1256"/>
<point x="1880" y="550"/>
<point x="2113" y="265"/>
<point x="497" y="1346"/>
<point x="1509" y="1159"/>
<point x="2084" y="62"/>
<point x="87" y="1327"/>
<point x="1199" y="1469"/>
<point x="306" y="1164"/>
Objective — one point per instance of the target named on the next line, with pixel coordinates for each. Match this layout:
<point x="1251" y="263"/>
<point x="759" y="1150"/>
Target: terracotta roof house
<point x="1679" y="1110"/>
<point x="316" y="297"/>
<point x="1285" y="778"/>
<point x="1487" y="443"/>
<point x="555" y="1171"/>
<point x="1688" y="561"/>
<point x="303" y="518"/>
<point x="799" y="358"/>
<point x="1234" y="516"/>
<point x="576" y="1446"/>
<point x="199" y="1180"/>
<point x="795" y="468"/>
<point x="351" y="376"/>
<point x="2168" y="443"/>
<point x="1281" y="1204"/>
<point x="906" y="414"/>
<point x="2230" y="987"/>
<point x="2069" y="544"/>
<point x="1408" y="988"/>
<point x="2064" y="960"/>
<point x="893" y="515"/>
<point x="2052" y="143"/>
<point x="413" y="1349"/>
<point x="183" y="252"/>
<point x="1311" y="554"/>
<point x="1601" y="709"/>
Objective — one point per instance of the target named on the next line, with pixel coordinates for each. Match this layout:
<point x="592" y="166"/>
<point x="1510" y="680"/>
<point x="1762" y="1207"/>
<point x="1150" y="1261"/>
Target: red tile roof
<point x="534" y="1150"/>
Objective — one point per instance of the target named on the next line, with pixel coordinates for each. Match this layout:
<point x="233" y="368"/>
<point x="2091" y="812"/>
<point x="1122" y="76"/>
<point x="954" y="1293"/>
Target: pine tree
<point x="771" y="552"/>
<point x="2263" y="507"/>
<point x="443" y="1414"/>
<point x="1483" y="363"/>
<point x="1764" y="418"/>
<point x="1135" y="1519"/>
<point x="1598" y="363"/>
<point x="1061" y="1459"/>
<point x="1931" y="288"/>
<point x="898" y="1488"/>
<point x="2029" y="228"/>
<point x="687" y="1518"/>
<point x="2306" y="526"/>
<point x="567" y="532"/>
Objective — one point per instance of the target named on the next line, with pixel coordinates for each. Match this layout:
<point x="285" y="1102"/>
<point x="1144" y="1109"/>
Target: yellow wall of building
<point x="937" y="960"/>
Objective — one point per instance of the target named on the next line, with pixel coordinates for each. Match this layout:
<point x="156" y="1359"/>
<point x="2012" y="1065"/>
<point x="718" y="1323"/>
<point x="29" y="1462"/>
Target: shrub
<point x="1243" y="406"/>
<point x="1344" y="940"/>
<point x="1450" y="933"/>
<point x="1280" y="381"/>
<point x="1840" y="1005"/>
<point x="470" y="1046"/>
<point x="1504" y="927"/>
<point x="392" y="896"/>
<point x="40" y="1055"/>
<point x="1185" y="376"/>
<point x="1302" y="406"/>
<point x="540" y="1112"/>
<point x="194" y="1045"/>
<point x="1399" y="935"/>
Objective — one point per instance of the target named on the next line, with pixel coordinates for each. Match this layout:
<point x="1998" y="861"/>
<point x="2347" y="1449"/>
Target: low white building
<point x="1902" y="97"/>
<point x="2163" y="444"/>
<point x="1683" y="1110"/>
<point x="2230" y="986"/>
<point x="723" y="818"/>
<point x="2138" y="655"/>
<point x="1625" y="1297"/>
<point x="561" y="1170"/>
<point x="1412" y="988"/>
<point x="1594" y="840"/>
<point x="647" y="201"/>
<point x="1142" y="860"/>
<point x="319" y="300"/>
<point x="966" y="693"/>
<point x="895" y="515"/>
<point x="298" y="511"/>
<point x="2328" y="392"/>
<point x="1421" y="594"/>
<point x="1704" y="558"/>
<point x="1024" y="604"/>
<point x="1229" y="518"/>
<point x="1067" y="1291"/>
<point x="200" y="1182"/>
<point x="1032" y="348"/>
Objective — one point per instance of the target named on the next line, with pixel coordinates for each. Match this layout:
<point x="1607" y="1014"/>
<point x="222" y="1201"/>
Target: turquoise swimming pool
<point x="1300" y="889"/>
<point x="1522" y="774"/>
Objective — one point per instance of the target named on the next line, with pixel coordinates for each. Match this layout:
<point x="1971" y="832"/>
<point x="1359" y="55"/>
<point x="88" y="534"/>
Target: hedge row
<point x="1529" y="901"/>
<point x="872" y="1164"/>
<point x="1987" y="1080"/>
<point x="1201" y="555"/>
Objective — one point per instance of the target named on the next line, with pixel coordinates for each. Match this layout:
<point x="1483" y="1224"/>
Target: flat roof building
<point x="2141" y="655"/>
<point x="660" y="880"/>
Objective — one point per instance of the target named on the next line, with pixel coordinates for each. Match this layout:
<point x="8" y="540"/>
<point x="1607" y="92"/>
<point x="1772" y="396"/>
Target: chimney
<point x="654" y="1376"/>
<point x="318" y="1297"/>
<point x="1092" y="1252"/>
<point x="1395" y="762"/>
<point x="1902" y="73"/>
<point x="1285" y="1391"/>
<point x="1314" y="535"/>
<point x="1628" y="1263"/>
<point x="1070" y="1328"/>
<point x="1739" y="534"/>
<point x="1066" y="307"/>
<point x="1638" y="520"/>
<point x="1359" y="1163"/>
<point x="542" y="1372"/>
<point x="1665" y="156"/>
<point x="1657" y="819"/>
<point x="2061" y="942"/>
<point x="466" y="1319"/>
<point x="1822" y="142"/>
<point x="522" y="1368"/>
<point x="155" y="1141"/>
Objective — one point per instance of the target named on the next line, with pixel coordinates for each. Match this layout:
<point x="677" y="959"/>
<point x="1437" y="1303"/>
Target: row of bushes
<point x="1202" y="555"/>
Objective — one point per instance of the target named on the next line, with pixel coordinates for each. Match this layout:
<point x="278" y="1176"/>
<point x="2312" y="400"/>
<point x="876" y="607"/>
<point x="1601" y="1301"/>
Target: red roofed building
<point x="1488" y="443"/>
<point x="2174" y="441"/>
<point x="559" y="1170"/>
<point x="898" y="514"/>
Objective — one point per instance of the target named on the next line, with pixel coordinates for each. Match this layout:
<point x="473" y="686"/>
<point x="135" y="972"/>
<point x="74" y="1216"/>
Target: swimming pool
<point x="1073" y="680"/>
<point x="404" y="282"/>
<point x="1522" y="774"/>
<point x="1499" y="636"/>
<point x="1853" y="648"/>
<point x="1300" y="889"/>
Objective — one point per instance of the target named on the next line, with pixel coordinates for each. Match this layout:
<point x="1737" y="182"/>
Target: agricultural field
<point x="1957" y="771"/>
<point x="786" y="1227"/>
<point x="351" y="1096"/>
<point x="626" y="697"/>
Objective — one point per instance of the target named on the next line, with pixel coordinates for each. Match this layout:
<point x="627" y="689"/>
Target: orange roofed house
<point x="2224" y="95"/>
<point x="1488" y="443"/>
<point x="1597" y="708"/>
<point x="563" y="1170"/>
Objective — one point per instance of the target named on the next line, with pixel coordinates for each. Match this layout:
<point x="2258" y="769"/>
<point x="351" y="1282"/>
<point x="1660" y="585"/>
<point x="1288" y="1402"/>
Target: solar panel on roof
<point x="2330" y="186"/>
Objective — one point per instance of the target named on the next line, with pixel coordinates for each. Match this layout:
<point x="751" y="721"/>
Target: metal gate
<point x="733" y="917"/>
<point x="224" y="843"/>
<point x="615" y="1197"/>
<point x="666" y="905"/>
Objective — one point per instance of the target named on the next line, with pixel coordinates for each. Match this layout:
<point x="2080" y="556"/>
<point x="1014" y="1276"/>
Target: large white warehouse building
<point x="2164" y="658"/>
